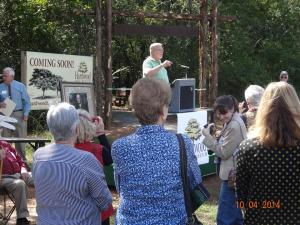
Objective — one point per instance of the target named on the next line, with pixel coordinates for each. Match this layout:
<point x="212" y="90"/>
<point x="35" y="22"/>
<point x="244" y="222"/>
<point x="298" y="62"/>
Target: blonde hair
<point x="87" y="129"/>
<point x="148" y="97"/>
<point x="278" y="116"/>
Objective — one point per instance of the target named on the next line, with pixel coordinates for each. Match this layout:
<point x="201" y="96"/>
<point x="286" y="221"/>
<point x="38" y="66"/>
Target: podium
<point x="183" y="96"/>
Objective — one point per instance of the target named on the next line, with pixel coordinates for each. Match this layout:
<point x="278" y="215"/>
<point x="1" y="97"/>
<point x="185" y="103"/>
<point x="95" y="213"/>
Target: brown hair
<point x="278" y="116"/>
<point x="148" y="97"/>
<point x="224" y="103"/>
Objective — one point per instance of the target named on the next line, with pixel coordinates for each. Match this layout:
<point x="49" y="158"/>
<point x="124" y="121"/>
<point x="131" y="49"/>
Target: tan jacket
<point x="233" y="134"/>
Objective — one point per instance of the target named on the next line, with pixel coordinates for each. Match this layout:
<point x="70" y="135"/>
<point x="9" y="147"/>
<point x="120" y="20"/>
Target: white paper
<point x="195" y="121"/>
<point x="10" y="106"/>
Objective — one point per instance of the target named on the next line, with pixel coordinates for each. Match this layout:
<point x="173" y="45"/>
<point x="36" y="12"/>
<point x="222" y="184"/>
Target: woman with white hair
<point x="253" y="94"/>
<point x="70" y="184"/>
<point x="90" y="127"/>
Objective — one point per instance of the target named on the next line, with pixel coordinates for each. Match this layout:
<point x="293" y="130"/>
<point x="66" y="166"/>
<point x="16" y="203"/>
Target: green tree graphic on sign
<point x="82" y="68"/>
<point x="193" y="129"/>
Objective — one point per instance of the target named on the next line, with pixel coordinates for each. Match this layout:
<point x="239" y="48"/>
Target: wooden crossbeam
<point x="163" y="16"/>
<point x="142" y="30"/>
<point x="169" y="16"/>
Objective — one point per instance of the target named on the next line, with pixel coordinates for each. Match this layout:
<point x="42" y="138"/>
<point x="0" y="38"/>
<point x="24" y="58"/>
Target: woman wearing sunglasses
<point x="225" y="148"/>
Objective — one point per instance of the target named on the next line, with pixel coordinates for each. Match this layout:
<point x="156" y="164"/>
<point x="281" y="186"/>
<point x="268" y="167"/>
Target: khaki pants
<point x="21" y="132"/>
<point x="18" y="188"/>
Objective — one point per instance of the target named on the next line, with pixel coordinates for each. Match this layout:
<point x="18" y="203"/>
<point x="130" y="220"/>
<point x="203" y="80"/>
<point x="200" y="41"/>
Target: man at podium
<point x="152" y="65"/>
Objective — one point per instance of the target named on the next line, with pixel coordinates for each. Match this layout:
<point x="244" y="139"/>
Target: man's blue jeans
<point x="228" y="212"/>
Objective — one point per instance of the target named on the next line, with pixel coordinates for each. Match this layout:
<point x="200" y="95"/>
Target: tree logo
<point x="82" y="68"/>
<point x="193" y="129"/>
<point x="81" y="73"/>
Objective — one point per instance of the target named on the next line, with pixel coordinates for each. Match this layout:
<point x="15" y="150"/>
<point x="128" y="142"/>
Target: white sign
<point x="191" y="125"/>
<point x="41" y="73"/>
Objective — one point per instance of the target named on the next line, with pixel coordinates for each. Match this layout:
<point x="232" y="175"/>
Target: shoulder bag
<point x="195" y="198"/>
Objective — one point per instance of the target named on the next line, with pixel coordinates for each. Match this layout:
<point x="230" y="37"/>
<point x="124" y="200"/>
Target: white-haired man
<point x="284" y="76"/>
<point x="17" y="92"/>
<point x="152" y="65"/>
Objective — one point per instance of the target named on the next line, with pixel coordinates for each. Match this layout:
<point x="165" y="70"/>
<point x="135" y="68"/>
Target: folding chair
<point x="4" y="218"/>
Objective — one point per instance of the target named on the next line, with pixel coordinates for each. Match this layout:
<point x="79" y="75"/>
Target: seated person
<point x="14" y="179"/>
<point x="90" y="127"/>
<point x="70" y="186"/>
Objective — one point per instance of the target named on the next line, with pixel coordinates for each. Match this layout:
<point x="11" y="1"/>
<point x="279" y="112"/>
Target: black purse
<point x="192" y="199"/>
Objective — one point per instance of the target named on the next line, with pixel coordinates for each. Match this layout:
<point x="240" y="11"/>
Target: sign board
<point x="191" y="125"/>
<point x="42" y="72"/>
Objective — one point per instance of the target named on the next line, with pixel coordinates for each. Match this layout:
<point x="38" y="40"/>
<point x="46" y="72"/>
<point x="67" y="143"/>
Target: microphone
<point x="183" y="66"/>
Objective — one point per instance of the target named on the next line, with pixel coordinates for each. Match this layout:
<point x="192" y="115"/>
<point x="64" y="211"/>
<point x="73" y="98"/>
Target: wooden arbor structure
<point x="208" y="47"/>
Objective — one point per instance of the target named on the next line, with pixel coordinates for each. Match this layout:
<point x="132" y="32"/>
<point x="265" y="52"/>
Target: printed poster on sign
<point x="42" y="73"/>
<point x="191" y="125"/>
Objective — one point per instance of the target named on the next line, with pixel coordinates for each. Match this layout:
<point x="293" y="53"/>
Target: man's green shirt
<point x="151" y="63"/>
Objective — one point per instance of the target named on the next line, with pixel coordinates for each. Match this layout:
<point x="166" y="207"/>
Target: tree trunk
<point x="98" y="78"/>
<point x="203" y="54"/>
<point x="108" y="83"/>
<point x="213" y="79"/>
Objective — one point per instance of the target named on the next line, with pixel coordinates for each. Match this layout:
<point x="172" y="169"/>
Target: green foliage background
<point x="262" y="41"/>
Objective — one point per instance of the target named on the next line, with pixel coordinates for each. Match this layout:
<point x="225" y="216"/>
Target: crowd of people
<point x="257" y="158"/>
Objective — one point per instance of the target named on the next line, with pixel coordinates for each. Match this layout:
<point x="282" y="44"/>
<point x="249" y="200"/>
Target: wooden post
<point x="213" y="79"/>
<point x="108" y="83"/>
<point x="98" y="78"/>
<point x="202" y="53"/>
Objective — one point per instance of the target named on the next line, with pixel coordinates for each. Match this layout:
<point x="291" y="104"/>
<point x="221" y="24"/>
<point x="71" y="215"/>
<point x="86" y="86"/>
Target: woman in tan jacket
<point x="232" y="134"/>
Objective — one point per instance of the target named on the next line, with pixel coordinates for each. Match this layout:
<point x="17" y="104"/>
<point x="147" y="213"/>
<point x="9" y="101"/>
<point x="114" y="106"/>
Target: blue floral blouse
<point x="147" y="168"/>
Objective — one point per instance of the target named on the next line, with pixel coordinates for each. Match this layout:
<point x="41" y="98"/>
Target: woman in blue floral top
<point x="147" y="163"/>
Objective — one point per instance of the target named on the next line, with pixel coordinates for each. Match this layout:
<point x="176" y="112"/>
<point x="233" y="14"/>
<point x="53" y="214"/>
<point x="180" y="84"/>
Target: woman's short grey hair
<point x="62" y="120"/>
<point x="10" y="70"/>
<point x="253" y="94"/>
<point x="148" y="98"/>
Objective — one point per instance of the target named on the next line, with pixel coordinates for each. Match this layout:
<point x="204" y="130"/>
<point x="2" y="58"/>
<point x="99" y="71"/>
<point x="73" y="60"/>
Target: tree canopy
<point x="262" y="41"/>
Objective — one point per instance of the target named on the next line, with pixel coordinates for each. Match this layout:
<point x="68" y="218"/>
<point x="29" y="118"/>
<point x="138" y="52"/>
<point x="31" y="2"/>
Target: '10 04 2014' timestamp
<point x="265" y="204"/>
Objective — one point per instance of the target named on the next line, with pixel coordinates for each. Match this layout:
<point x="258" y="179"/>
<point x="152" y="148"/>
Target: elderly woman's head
<point x="150" y="98"/>
<point x="87" y="128"/>
<point x="62" y="120"/>
<point x="253" y="94"/>
<point x="278" y="116"/>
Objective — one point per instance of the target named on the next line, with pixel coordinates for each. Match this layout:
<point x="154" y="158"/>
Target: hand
<point x="99" y="125"/>
<point x="206" y="131"/>
<point x="167" y="63"/>
<point x="24" y="175"/>
<point x="2" y="105"/>
<point x="25" y="118"/>
<point x="241" y="107"/>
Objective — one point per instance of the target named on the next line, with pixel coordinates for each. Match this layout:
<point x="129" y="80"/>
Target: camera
<point x="211" y="129"/>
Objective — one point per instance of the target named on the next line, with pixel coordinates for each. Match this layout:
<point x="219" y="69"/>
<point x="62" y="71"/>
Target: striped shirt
<point x="70" y="186"/>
